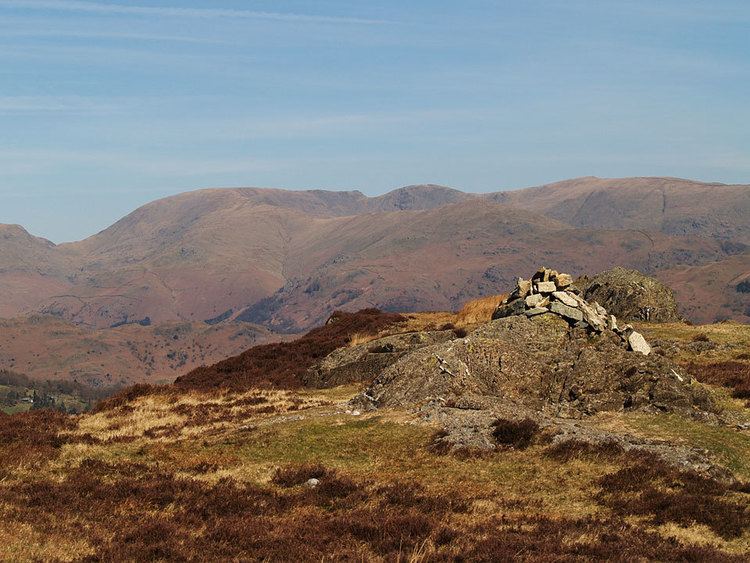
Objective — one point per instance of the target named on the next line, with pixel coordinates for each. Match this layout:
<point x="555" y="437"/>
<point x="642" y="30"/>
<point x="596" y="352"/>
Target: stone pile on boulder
<point x="549" y="292"/>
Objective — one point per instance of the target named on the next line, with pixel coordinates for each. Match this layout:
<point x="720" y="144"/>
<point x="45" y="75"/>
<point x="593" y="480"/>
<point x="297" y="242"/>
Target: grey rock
<point x="563" y="280"/>
<point x="534" y="311"/>
<point x="638" y="343"/>
<point x="566" y="311"/>
<point x="566" y="298"/>
<point x="312" y="483"/>
<point x="546" y="287"/>
<point x="509" y="309"/>
<point x="537" y="300"/>
<point x="631" y="295"/>
<point x="523" y="287"/>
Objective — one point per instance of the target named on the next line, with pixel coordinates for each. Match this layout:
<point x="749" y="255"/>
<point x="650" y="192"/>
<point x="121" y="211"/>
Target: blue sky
<point x="107" y="105"/>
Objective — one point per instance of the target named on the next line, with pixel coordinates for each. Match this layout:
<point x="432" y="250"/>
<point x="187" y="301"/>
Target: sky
<point x="105" y="105"/>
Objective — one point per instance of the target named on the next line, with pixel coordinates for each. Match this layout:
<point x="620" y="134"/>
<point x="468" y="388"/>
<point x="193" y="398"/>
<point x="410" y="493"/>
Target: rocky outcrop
<point x="632" y="296"/>
<point x="364" y="362"/>
<point x="540" y="364"/>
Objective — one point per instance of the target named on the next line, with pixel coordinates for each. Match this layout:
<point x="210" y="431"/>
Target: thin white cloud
<point x="53" y="104"/>
<point x="51" y="33"/>
<point x="168" y="11"/>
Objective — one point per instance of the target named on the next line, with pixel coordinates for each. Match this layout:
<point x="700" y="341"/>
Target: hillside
<point x="47" y="348"/>
<point x="285" y="465"/>
<point x="287" y="259"/>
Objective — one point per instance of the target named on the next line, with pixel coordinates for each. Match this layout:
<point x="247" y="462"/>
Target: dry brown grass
<point x="471" y="314"/>
<point x="479" y="310"/>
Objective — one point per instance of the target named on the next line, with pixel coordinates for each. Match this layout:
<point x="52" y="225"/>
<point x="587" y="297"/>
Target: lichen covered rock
<point x="542" y="364"/>
<point x="632" y="296"/>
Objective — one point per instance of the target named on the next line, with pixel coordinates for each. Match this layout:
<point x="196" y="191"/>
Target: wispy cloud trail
<point x="169" y="11"/>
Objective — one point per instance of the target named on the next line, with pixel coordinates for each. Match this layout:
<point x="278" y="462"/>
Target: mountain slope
<point x="288" y="258"/>
<point x="668" y="205"/>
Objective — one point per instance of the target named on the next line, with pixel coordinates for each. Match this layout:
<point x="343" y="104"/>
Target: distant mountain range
<point x="286" y="259"/>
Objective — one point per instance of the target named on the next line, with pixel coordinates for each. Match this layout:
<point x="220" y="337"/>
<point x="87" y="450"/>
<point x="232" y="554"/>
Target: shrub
<point x="701" y="337"/>
<point x="460" y="332"/>
<point x="517" y="434"/>
<point x="651" y="488"/>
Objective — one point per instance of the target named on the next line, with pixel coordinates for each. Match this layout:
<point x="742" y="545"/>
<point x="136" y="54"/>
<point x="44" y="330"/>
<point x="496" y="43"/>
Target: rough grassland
<point x="218" y="475"/>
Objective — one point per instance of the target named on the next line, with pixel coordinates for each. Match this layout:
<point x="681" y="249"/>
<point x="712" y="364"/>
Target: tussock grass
<point x="479" y="310"/>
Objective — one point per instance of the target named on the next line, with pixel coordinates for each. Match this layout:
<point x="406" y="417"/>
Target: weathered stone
<point x="638" y="343"/>
<point x="509" y="309"/>
<point x="523" y="287"/>
<point x="612" y="323"/>
<point x="534" y="300"/>
<point x="312" y="483"/>
<point x="546" y="287"/>
<point x="569" y="300"/>
<point x="590" y="314"/>
<point x="566" y="311"/>
<point x="563" y="280"/>
<point x="536" y="311"/>
<point x="539" y="275"/>
<point x="631" y="295"/>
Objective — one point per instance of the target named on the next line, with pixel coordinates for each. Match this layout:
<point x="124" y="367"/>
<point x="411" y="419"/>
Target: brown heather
<point x="280" y="365"/>
<point x="515" y="433"/>
<point x="731" y="374"/>
<point x="129" y="512"/>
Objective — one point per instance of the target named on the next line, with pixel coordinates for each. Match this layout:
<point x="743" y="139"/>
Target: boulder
<point x="536" y="363"/>
<point x="632" y="296"/>
<point x="638" y="344"/>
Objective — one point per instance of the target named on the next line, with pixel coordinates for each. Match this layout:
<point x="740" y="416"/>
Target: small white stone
<point x="312" y="483"/>
<point x="638" y="343"/>
<point x="356" y="413"/>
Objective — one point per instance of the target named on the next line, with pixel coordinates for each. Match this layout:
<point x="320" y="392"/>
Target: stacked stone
<point x="551" y="292"/>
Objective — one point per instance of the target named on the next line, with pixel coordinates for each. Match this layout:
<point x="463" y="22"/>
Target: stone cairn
<point x="550" y="292"/>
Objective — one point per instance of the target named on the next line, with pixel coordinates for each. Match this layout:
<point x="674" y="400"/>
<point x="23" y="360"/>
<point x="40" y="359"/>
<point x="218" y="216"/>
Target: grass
<point x="733" y="339"/>
<point x="728" y="447"/>
<point x="211" y="490"/>
<point x="479" y="310"/>
<point x="218" y="475"/>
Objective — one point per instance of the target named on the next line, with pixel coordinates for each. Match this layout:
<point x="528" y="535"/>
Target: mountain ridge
<point x="225" y="251"/>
